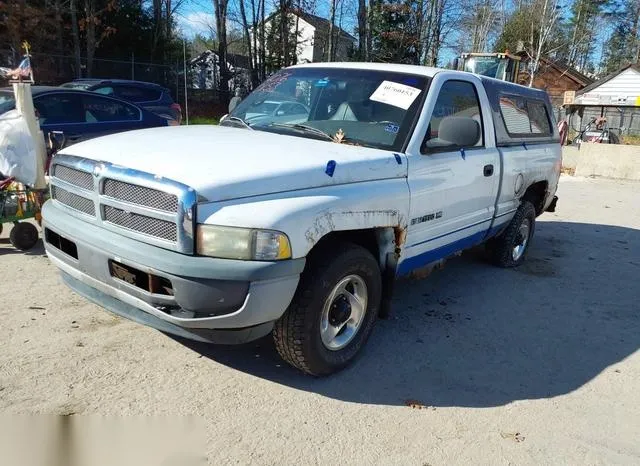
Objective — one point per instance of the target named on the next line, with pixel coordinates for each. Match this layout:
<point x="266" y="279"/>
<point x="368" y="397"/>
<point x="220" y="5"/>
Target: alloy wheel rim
<point x="522" y="239"/>
<point x="343" y="312"/>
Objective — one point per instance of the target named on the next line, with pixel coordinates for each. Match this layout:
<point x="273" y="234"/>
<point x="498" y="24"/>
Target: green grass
<point x="201" y="121"/>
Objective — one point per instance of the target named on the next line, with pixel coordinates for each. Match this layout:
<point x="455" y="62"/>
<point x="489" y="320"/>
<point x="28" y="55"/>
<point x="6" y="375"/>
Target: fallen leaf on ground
<point x="415" y="404"/>
<point x="515" y="436"/>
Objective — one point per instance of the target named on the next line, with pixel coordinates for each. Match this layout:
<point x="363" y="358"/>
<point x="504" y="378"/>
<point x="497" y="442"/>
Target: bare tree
<point x="486" y="17"/>
<point x="90" y="32"/>
<point x="331" y="39"/>
<point x="542" y="28"/>
<point x="249" y="36"/>
<point x="363" y="50"/>
<point x="221" y="10"/>
<point x="439" y="19"/>
<point x="73" y="9"/>
<point x="94" y="35"/>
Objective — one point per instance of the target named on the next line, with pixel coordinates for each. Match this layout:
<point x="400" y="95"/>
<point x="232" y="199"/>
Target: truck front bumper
<point x="201" y="298"/>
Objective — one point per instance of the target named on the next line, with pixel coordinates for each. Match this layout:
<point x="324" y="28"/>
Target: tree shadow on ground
<point x="478" y="336"/>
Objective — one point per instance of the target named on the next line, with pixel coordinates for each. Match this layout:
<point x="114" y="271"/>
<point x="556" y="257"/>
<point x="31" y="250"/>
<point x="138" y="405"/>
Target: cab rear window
<point x="524" y="117"/>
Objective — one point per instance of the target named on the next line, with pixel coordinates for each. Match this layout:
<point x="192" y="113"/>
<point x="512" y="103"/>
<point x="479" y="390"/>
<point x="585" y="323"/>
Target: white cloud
<point x="197" y="22"/>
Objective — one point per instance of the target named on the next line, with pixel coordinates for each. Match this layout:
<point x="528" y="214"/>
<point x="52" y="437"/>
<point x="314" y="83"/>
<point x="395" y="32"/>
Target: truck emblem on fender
<point x="426" y="218"/>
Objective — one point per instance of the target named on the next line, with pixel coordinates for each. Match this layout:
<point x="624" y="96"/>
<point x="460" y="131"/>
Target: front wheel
<point x="510" y="248"/>
<point x="333" y="311"/>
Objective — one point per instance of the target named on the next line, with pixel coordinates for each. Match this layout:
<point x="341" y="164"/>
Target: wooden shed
<point x="554" y="77"/>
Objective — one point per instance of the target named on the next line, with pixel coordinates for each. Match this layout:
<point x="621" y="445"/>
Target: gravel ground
<point x="477" y="365"/>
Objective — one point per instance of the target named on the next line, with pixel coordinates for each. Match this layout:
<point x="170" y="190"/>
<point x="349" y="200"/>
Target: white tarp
<point x="23" y="153"/>
<point x="24" y="104"/>
<point x="18" y="153"/>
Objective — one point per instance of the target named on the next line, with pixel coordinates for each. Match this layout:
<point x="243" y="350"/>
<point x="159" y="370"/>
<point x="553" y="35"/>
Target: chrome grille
<point x="129" y="202"/>
<point x="79" y="203"/>
<point x="140" y="195"/>
<point x="141" y="223"/>
<point x="75" y="177"/>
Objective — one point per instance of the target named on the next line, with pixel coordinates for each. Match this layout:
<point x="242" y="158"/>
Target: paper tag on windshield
<point x="398" y="95"/>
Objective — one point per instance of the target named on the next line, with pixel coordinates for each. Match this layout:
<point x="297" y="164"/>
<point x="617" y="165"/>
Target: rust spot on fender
<point x="400" y="236"/>
<point x="351" y="220"/>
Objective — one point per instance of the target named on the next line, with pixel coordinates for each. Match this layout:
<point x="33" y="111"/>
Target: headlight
<point x="242" y="243"/>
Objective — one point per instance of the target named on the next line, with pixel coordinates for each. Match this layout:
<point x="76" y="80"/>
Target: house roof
<point x="565" y="69"/>
<point x="609" y="77"/>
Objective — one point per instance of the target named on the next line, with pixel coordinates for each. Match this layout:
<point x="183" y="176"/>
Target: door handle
<point x="488" y="170"/>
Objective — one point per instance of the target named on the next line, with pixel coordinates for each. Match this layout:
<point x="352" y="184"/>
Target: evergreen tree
<point x="394" y="32"/>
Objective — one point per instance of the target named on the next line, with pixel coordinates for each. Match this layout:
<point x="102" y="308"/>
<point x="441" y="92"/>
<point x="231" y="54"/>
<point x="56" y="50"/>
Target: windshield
<point x="493" y="67"/>
<point x="361" y="107"/>
<point x="7" y="101"/>
<point x="265" y="108"/>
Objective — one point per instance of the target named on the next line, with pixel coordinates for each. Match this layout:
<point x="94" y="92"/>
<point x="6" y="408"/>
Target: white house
<point x="313" y="39"/>
<point x="312" y="46"/>
<point x="615" y="97"/>
<point x="619" y="88"/>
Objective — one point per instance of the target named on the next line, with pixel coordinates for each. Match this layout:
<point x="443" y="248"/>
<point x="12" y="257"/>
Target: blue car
<point x="150" y="96"/>
<point x="82" y="115"/>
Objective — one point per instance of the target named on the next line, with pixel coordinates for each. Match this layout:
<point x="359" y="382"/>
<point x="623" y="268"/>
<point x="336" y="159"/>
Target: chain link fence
<point x="53" y="70"/>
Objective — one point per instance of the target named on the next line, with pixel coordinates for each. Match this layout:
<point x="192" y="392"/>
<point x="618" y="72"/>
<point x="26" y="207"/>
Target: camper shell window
<point x="521" y="115"/>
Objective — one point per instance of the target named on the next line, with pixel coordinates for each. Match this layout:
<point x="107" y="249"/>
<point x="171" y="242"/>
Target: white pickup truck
<point x="296" y="214"/>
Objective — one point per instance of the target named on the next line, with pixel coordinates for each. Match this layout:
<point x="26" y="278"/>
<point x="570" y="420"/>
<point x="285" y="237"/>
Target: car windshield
<point x="7" y="101"/>
<point x="362" y="107"/>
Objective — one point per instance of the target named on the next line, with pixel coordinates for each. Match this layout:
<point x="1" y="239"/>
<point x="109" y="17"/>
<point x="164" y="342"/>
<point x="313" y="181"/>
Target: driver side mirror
<point x="280" y="113"/>
<point x="454" y="133"/>
<point x="57" y="140"/>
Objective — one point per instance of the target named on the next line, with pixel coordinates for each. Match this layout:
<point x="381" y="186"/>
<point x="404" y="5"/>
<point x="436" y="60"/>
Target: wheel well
<point x="365" y="238"/>
<point x="383" y="243"/>
<point x="536" y="194"/>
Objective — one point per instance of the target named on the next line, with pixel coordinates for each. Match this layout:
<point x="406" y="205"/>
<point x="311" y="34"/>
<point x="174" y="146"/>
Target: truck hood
<point x="223" y="163"/>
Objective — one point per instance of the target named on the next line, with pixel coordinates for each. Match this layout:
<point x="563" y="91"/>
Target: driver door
<point x="453" y="189"/>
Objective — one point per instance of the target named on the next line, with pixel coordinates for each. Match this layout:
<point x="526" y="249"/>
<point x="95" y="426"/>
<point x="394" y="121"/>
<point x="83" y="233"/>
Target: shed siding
<point x="626" y="83"/>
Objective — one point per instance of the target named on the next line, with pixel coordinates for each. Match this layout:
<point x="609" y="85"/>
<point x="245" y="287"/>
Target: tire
<point x="503" y="248"/>
<point x="298" y="334"/>
<point x="613" y="138"/>
<point x="24" y="236"/>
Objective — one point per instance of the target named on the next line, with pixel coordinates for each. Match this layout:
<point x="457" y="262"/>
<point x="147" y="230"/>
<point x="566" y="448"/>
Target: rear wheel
<point x="23" y="236"/>
<point x="510" y="248"/>
<point x="333" y="311"/>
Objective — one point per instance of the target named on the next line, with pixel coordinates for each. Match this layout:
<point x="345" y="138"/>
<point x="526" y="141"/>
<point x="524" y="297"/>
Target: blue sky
<point x="196" y="17"/>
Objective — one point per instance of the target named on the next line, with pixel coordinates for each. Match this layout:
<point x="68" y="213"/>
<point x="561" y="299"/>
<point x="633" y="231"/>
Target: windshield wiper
<point x="238" y="120"/>
<point x="304" y="129"/>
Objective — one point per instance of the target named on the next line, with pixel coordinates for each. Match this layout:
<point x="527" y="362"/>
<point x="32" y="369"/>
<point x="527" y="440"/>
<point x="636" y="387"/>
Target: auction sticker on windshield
<point x="396" y="94"/>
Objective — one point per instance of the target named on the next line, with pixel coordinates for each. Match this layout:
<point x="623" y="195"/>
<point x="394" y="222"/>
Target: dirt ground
<point x="477" y="365"/>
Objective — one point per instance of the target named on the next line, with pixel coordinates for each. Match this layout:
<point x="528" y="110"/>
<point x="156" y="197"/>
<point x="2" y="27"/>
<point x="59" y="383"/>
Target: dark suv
<point x="150" y="96"/>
